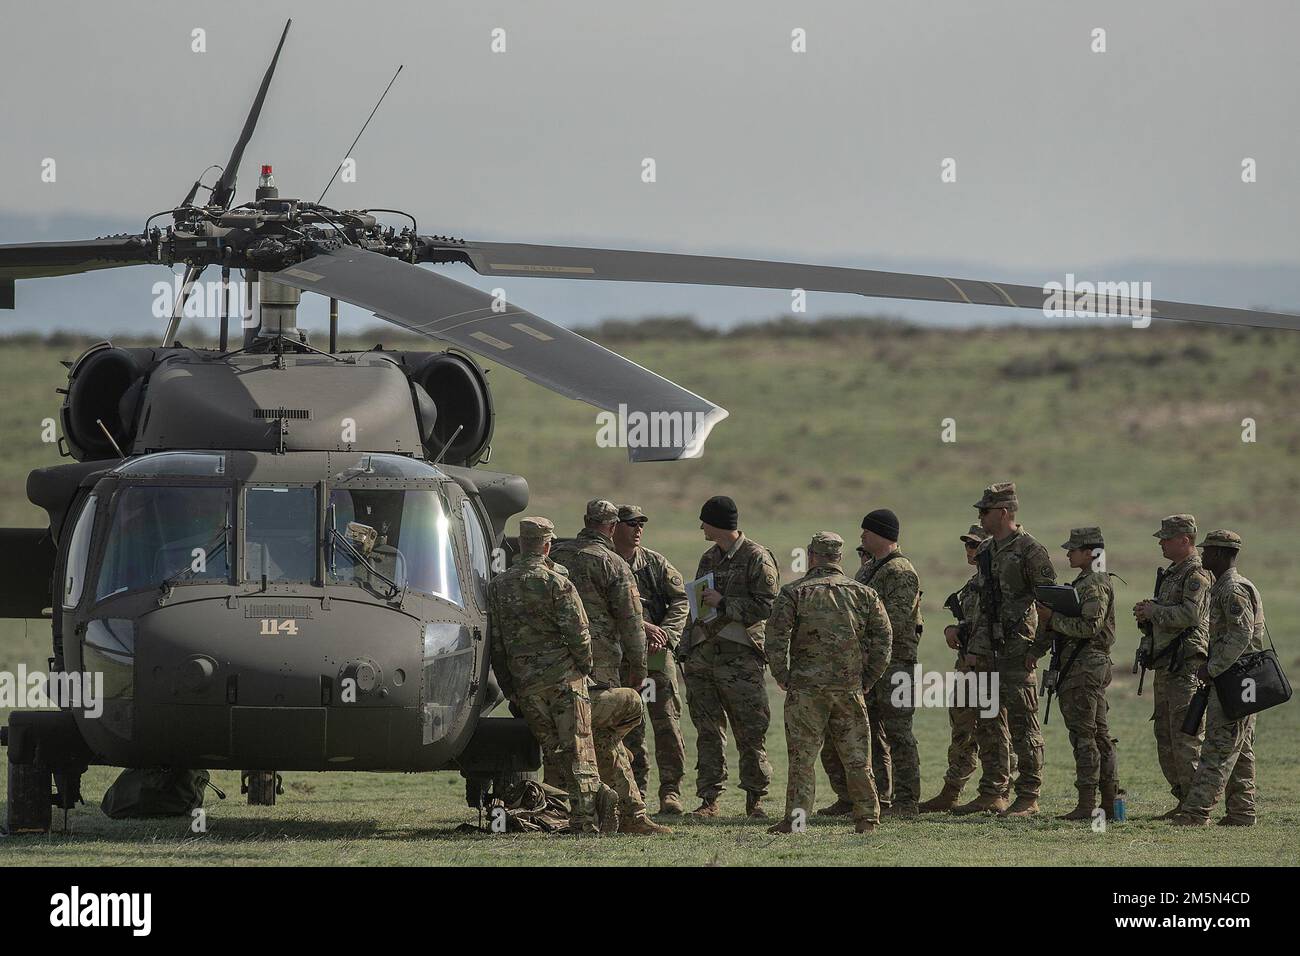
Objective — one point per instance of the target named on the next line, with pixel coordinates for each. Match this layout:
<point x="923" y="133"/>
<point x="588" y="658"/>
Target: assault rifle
<point x="1146" y="645"/>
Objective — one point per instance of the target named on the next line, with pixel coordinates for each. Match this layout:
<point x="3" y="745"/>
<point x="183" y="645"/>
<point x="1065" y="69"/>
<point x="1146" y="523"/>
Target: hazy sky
<point x="1065" y="158"/>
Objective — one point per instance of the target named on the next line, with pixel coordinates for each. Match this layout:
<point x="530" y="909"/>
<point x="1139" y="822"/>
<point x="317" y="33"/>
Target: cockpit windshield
<point x="383" y="535"/>
<point x="161" y="531"/>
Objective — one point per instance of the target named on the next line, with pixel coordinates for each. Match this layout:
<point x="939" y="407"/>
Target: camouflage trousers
<point x="615" y="713"/>
<point x="964" y="748"/>
<point x="1014" y="728"/>
<point x="821" y="719"/>
<point x="1178" y="752"/>
<point x="1227" y="763"/>
<point x="894" y="755"/>
<point x="1083" y="707"/>
<point x="560" y="719"/>
<point x="725" y="682"/>
<point x="665" y="713"/>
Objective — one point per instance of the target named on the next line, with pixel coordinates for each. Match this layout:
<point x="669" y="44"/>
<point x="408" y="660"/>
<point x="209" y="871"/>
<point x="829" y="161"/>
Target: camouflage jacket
<point x="539" y="628"/>
<point x="833" y="630"/>
<point x="748" y="579"/>
<point x="1236" y="620"/>
<point x="1019" y="564"/>
<point x="663" y="593"/>
<point x="1096" y="624"/>
<point x="1183" y="603"/>
<point x="609" y="596"/>
<point x="897" y="583"/>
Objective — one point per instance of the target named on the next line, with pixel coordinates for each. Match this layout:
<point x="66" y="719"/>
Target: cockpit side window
<point x="478" y="550"/>
<point x="74" y="580"/>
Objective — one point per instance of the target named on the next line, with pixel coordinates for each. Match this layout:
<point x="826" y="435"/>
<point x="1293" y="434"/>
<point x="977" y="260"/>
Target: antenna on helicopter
<point x="363" y="129"/>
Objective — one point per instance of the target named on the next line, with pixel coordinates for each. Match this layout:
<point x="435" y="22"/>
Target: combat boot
<point x="670" y="804"/>
<point x="1189" y="820"/>
<point x="1108" y="794"/>
<point x="1083" y="809"/>
<point x="1236" y="822"/>
<point x="1169" y="814"/>
<point x="607" y="809"/>
<point x="754" y="806"/>
<point x="900" y="810"/>
<point x="643" y="826"/>
<point x="785" y="826"/>
<point x="840" y="808"/>
<point x="709" y="808"/>
<point x="946" y="799"/>
<point x="864" y="826"/>
<point x="983" y="803"/>
<point x="1023" y="806"/>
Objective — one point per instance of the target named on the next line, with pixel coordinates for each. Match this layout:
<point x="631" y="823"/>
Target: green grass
<point x="1115" y="427"/>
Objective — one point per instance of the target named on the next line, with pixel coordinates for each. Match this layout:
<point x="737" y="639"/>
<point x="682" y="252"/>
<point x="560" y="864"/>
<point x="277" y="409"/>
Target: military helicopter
<point x="276" y="555"/>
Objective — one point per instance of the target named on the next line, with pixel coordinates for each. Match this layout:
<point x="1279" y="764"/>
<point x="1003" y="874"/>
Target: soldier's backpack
<point x="529" y="806"/>
<point x="154" y="792"/>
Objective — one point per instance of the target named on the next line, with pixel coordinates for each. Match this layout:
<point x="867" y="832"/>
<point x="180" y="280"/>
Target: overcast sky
<point x="1066" y="159"/>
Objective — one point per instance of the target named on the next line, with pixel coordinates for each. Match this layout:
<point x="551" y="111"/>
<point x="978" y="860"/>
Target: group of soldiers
<point x="594" y="632"/>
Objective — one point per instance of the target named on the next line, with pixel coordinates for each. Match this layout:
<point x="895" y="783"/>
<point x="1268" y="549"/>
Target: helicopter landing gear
<point x="29" y="803"/>
<point x="262" y="786"/>
<point x="46" y="760"/>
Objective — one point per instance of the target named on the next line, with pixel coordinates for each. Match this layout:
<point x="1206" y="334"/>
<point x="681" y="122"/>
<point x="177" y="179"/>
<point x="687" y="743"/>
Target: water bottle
<point x="1121" y="810"/>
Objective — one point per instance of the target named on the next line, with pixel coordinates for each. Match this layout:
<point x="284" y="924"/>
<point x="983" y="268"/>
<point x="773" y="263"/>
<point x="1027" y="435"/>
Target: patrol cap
<point x="631" y="513"/>
<point x="1085" y="538"/>
<point x="1175" y="525"/>
<point x="827" y="543"/>
<point x="1222" y="539"/>
<point x="536" y="529"/>
<point x="1000" y="494"/>
<point x="975" y="535"/>
<point x="602" y="511"/>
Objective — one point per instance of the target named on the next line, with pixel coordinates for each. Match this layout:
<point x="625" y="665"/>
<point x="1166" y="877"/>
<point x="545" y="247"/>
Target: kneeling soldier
<point x="1083" y="644"/>
<point x="1228" y="753"/>
<point x="828" y="640"/>
<point x="541" y="655"/>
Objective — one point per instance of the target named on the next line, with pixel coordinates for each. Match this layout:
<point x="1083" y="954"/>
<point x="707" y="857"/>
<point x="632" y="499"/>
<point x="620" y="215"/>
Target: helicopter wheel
<point x="261" y="787"/>
<point x="29" y="800"/>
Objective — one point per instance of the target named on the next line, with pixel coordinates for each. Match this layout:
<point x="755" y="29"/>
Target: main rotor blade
<point x="568" y="262"/>
<point x="35" y="260"/>
<point x="441" y="308"/>
<point x="224" y="192"/>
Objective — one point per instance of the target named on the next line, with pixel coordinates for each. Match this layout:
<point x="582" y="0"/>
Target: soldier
<point x="618" y="649"/>
<point x="724" y="662"/>
<point x="1084" y="645"/>
<point x="664" y="610"/>
<point x="963" y="751"/>
<point x="894" y="754"/>
<point x="1180" y="621"/>
<point x="836" y="635"/>
<point x="1227" y="758"/>
<point x="541" y="655"/>
<point x="1011" y="565"/>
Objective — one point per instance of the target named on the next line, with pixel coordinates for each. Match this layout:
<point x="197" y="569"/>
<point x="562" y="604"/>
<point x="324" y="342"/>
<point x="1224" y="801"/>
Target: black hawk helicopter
<point x="276" y="556"/>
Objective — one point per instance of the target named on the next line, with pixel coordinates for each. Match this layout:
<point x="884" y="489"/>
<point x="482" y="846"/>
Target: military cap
<point x="1085" y="538"/>
<point x="1175" y="525"/>
<point x="1222" y="539"/>
<point x="534" y="529"/>
<point x="828" y="543"/>
<point x="1001" y="494"/>
<point x="598" y="509"/>
<point x="631" y="513"/>
<point x="975" y="535"/>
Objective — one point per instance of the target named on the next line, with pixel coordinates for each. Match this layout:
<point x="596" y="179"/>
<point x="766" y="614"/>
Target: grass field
<point x="1115" y="427"/>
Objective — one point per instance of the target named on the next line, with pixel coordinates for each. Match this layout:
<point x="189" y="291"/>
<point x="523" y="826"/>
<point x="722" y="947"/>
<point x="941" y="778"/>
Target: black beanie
<point x="883" y="522"/>
<point x="720" y="511"/>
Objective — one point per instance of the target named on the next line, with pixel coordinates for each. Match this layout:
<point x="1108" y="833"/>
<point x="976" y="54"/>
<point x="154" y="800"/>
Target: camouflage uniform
<point x="663" y="602"/>
<point x="1180" y="638"/>
<point x="1227" y="759"/>
<point x="837" y="636"/>
<point x="963" y="750"/>
<point x="613" y="608"/>
<point x="541" y="654"/>
<point x="725" y="668"/>
<point x="894" y="755"/>
<point x="1019" y="564"/>
<point x="1085" y="671"/>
